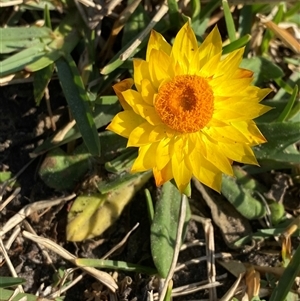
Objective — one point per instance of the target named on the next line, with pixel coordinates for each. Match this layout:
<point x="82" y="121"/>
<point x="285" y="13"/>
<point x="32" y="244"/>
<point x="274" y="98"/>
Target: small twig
<point x="9" y="264"/>
<point x="10" y="198"/>
<point x="160" y="13"/>
<point x="121" y="243"/>
<point x="29" y="209"/>
<point x="182" y="215"/>
<point x="67" y="287"/>
<point x="103" y="277"/>
<point x="49" y="109"/>
<point x="231" y="292"/>
<point x="201" y="259"/>
<point x="28" y="227"/>
<point x="194" y="243"/>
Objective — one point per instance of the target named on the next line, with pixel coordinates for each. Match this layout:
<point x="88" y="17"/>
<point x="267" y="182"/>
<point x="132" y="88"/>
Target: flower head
<point x="191" y="112"/>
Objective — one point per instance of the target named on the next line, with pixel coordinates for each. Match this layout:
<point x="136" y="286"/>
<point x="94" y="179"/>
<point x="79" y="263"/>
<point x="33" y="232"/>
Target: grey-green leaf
<point x="77" y="98"/>
<point x="164" y="228"/>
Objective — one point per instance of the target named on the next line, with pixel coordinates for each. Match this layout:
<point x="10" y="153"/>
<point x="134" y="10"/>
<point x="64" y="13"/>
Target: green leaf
<point x="77" y="99"/>
<point x="92" y="214"/>
<point x="174" y="16"/>
<point x="229" y="21"/>
<point x="106" y="107"/>
<point x="62" y="171"/>
<point x="10" y="281"/>
<point x="6" y="294"/>
<point x="66" y="38"/>
<point x="164" y="228"/>
<point x="19" y="60"/>
<point x="285" y="113"/>
<point x="41" y="81"/>
<point x="115" y="265"/>
<point x="15" y="39"/>
<point x="241" y="198"/>
<point x="264" y="70"/>
<point x="136" y="23"/>
<point x="239" y="43"/>
<point x="279" y="136"/>
<point x="287" y="279"/>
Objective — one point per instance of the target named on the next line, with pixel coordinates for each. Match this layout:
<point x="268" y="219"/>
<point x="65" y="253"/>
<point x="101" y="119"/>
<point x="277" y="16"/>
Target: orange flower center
<point x="185" y="103"/>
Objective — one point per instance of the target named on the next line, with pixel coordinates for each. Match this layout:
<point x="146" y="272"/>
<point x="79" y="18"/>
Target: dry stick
<point x="13" y="237"/>
<point x="201" y="259"/>
<point x="49" y="109"/>
<point x="194" y="243"/>
<point x="210" y="253"/>
<point x="192" y="286"/>
<point x="10" y="241"/>
<point x="43" y="249"/>
<point x="29" y="209"/>
<point x="10" y="198"/>
<point x="231" y="292"/>
<point x="9" y="263"/>
<point x="210" y="244"/>
<point x="121" y="243"/>
<point x="103" y="277"/>
<point x="160" y="13"/>
<point x="182" y="215"/>
<point x="67" y="287"/>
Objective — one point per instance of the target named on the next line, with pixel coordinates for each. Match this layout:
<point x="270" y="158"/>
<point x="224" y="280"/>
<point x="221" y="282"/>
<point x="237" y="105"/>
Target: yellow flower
<point x="191" y="111"/>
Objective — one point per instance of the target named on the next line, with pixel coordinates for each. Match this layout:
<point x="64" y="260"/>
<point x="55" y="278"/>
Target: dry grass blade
<point x="158" y="16"/>
<point x="282" y="34"/>
<point x="231" y="292"/>
<point x="9" y="264"/>
<point x="10" y="198"/>
<point x="121" y="243"/>
<point x="103" y="277"/>
<point x="29" y="209"/>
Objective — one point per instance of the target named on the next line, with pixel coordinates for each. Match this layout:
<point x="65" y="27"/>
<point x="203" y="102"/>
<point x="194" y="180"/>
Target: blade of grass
<point x="174" y="16"/>
<point x="236" y="44"/>
<point x="115" y="265"/>
<point x="229" y="21"/>
<point x="285" y="113"/>
<point x="77" y="99"/>
<point x="287" y="279"/>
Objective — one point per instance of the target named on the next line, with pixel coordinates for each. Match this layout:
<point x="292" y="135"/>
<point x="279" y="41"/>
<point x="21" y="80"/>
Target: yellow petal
<point x="159" y="67"/>
<point x="238" y="152"/>
<point x="228" y="133"/>
<point x="215" y="156"/>
<point x="211" y="46"/>
<point x="147" y="92"/>
<point x="230" y="88"/>
<point x="145" y="159"/>
<point x="124" y="123"/>
<point x="121" y="87"/>
<point x="141" y="72"/>
<point x="163" y="153"/>
<point x="242" y="73"/>
<point x="205" y="171"/>
<point x="184" y="47"/>
<point x="208" y="69"/>
<point x="135" y="100"/>
<point x="230" y="64"/>
<point x="241" y="111"/>
<point x="250" y="130"/>
<point x="262" y="93"/>
<point x="163" y="175"/>
<point x="158" y="42"/>
<point x="181" y="173"/>
<point x="141" y="135"/>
